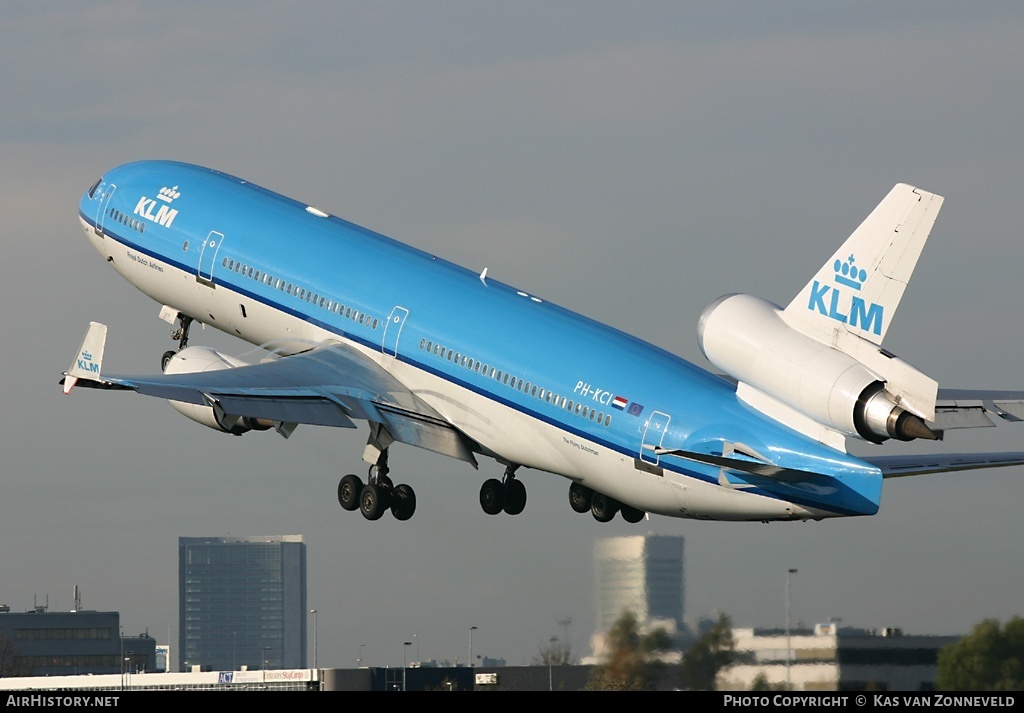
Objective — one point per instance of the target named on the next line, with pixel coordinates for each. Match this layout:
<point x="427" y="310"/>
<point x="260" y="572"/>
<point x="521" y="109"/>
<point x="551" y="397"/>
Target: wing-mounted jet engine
<point x="192" y="360"/>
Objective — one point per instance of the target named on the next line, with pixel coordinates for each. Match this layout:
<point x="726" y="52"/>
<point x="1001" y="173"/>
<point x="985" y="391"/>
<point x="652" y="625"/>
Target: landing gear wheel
<point x="372" y="502"/>
<point x="403" y="502"/>
<point x="515" y="497"/>
<point x="492" y="496"/>
<point x="631" y="514"/>
<point x="166" y="359"/>
<point x="603" y="508"/>
<point x="580" y="497"/>
<point x="349" y="490"/>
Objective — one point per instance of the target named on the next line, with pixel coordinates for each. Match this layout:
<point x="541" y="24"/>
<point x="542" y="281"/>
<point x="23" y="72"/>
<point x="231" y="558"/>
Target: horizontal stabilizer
<point x="901" y="466"/>
<point x="965" y="408"/>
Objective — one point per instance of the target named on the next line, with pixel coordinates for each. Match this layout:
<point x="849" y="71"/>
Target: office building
<point x="45" y="643"/>
<point x="642" y="574"/>
<point x="830" y="658"/>
<point x="241" y="603"/>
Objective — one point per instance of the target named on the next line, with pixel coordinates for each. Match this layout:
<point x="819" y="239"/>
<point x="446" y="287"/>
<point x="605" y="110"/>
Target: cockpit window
<point x="92" y="191"/>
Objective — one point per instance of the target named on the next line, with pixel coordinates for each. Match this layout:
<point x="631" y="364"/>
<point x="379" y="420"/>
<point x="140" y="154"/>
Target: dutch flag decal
<point x="619" y="403"/>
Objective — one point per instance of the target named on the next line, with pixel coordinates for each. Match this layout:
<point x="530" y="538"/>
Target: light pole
<point x="471" y="630"/>
<point x="359" y="661"/>
<point x="551" y="656"/>
<point x="405" y="648"/>
<point x="789" y="643"/>
<point x="264" y="666"/>
<point x="313" y="612"/>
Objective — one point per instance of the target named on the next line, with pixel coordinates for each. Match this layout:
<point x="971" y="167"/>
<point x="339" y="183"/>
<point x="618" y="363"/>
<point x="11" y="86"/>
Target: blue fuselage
<point x="264" y="267"/>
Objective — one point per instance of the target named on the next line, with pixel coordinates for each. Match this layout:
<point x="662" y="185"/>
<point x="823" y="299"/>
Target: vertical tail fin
<point x="860" y="287"/>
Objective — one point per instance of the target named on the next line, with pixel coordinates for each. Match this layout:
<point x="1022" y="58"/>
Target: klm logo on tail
<point x="85" y="363"/>
<point x="832" y="300"/>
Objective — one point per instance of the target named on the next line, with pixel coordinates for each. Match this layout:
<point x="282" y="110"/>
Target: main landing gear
<point x="378" y="495"/>
<point x="603" y="508"/>
<point x="181" y="335"/>
<point x="507" y="494"/>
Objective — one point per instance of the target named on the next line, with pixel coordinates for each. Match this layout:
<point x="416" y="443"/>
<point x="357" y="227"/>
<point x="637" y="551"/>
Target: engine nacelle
<point x="747" y="338"/>
<point x="193" y="360"/>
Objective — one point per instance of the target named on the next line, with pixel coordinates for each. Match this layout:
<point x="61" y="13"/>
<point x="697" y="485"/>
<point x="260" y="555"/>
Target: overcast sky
<point x="680" y="150"/>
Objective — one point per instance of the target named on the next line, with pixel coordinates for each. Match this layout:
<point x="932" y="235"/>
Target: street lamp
<point x="359" y="661"/>
<point x="789" y="642"/>
<point x="264" y="666"/>
<point x="405" y="648"/>
<point x="471" y="630"/>
<point x="551" y="656"/>
<point x="313" y="612"/>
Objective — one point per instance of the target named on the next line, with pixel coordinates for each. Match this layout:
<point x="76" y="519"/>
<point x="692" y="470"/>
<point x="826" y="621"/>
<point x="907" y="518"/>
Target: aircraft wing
<point x="901" y="466"/>
<point x="327" y="386"/>
<point x="965" y="408"/>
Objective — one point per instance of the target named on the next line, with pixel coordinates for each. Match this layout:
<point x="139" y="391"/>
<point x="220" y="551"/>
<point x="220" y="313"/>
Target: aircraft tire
<point x="603" y="508"/>
<point x="372" y="502"/>
<point x="403" y="502"/>
<point x="166" y="359"/>
<point x="492" y="496"/>
<point x="631" y="514"/>
<point x="580" y="497"/>
<point x="515" y="497"/>
<point x="349" y="489"/>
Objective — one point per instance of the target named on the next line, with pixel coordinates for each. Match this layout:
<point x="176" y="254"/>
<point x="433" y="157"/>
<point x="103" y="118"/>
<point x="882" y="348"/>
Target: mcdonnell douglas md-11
<point x="356" y="326"/>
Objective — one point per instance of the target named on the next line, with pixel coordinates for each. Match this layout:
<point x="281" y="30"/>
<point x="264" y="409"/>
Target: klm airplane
<point x="450" y="360"/>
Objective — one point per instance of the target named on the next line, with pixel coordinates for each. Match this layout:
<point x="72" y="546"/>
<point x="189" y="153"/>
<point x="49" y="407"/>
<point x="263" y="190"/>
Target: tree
<point x="11" y="663"/>
<point x="714" y="650"/>
<point x="987" y="659"/>
<point x="632" y="662"/>
<point x="555" y="653"/>
<point x="760" y="683"/>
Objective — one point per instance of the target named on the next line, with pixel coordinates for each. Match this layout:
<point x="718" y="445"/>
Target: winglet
<point x="861" y="285"/>
<point x="86" y="364"/>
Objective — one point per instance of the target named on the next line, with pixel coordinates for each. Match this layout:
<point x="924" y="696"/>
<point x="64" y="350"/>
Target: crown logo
<point x="847" y="273"/>
<point x="168" y="194"/>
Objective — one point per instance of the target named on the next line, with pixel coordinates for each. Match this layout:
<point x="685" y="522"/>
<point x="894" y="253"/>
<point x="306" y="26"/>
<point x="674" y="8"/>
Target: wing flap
<point x="287" y="409"/>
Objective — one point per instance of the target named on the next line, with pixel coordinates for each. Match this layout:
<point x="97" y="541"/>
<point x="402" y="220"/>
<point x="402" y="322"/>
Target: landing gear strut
<point x="181" y="335"/>
<point x="507" y="494"/>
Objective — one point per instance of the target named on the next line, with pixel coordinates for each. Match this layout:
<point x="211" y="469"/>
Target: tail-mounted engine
<point x="199" y="359"/>
<point x="748" y="339"/>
